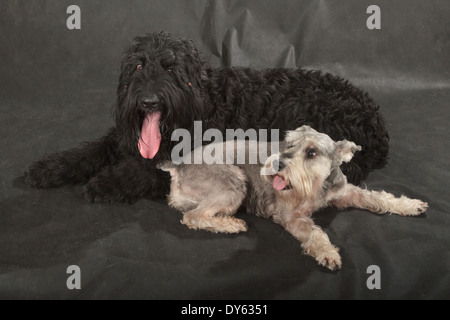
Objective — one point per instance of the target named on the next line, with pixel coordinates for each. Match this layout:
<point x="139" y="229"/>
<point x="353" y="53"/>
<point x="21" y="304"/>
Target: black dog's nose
<point x="278" y="165"/>
<point x="150" y="101"/>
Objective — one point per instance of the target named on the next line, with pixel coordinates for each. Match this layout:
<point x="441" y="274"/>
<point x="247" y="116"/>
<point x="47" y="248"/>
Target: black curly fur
<point x="188" y="89"/>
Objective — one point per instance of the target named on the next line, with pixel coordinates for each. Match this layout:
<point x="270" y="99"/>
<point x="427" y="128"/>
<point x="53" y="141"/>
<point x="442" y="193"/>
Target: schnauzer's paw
<point x="234" y="225"/>
<point x="330" y="259"/>
<point x="46" y="173"/>
<point x="101" y="191"/>
<point x="413" y="207"/>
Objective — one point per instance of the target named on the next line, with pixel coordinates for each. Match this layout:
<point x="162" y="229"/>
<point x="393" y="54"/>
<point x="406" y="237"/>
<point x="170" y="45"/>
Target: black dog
<point x="165" y="84"/>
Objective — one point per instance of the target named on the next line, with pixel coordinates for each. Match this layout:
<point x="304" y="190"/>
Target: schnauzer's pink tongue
<point x="150" y="136"/>
<point x="279" y="183"/>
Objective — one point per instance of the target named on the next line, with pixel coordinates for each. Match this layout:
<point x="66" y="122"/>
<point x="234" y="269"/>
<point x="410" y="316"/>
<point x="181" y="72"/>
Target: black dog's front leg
<point x="131" y="179"/>
<point x="76" y="165"/>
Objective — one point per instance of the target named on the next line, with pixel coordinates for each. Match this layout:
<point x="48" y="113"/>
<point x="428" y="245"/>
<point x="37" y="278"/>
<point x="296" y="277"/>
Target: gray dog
<point x="288" y="186"/>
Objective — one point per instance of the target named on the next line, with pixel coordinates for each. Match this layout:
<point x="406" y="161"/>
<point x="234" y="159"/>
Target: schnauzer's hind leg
<point x="216" y="215"/>
<point x="379" y="202"/>
<point x="217" y="192"/>
<point x="314" y="240"/>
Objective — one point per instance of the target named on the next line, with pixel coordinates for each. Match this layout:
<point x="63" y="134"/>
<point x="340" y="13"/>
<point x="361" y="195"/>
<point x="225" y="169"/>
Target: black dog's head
<point x="159" y="90"/>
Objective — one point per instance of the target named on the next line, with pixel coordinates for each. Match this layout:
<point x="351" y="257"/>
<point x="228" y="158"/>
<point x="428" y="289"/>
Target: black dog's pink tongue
<point x="279" y="183"/>
<point x="150" y="138"/>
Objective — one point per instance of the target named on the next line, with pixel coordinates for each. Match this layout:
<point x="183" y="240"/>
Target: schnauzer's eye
<point x="311" y="153"/>
<point x="139" y="67"/>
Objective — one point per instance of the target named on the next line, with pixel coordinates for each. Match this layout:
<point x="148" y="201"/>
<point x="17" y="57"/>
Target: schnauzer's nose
<point x="278" y="165"/>
<point x="150" y="101"/>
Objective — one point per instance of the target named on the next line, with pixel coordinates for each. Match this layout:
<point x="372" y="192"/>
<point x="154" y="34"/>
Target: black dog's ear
<point x="124" y="69"/>
<point x="345" y="150"/>
<point x="193" y="63"/>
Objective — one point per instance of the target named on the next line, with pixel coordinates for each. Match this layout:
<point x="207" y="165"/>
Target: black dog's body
<point x="166" y="74"/>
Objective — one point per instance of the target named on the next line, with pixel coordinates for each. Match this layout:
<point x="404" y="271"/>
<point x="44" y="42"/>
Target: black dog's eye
<point x="169" y="71"/>
<point x="139" y="67"/>
<point x="311" y="153"/>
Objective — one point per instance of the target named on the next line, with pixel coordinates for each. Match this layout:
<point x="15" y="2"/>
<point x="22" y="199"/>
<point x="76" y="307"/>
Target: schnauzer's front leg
<point x="314" y="240"/>
<point x="379" y="202"/>
<point x="73" y="166"/>
<point x="128" y="181"/>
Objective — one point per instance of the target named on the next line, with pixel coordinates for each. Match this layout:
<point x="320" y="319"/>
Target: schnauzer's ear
<point x="345" y="150"/>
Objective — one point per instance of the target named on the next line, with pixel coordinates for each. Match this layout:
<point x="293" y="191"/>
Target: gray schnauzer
<point x="287" y="186"/>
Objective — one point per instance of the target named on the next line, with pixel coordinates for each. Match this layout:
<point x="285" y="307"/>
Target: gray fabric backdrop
<point x="57" y="90"/>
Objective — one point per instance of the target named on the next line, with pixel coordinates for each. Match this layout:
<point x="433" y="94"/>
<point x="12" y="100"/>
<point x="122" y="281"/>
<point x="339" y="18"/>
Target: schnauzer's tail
<point x="168" y="166"/>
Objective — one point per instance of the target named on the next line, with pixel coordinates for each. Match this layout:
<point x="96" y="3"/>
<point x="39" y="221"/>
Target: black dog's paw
<point x="103" y="190"/>
<point x="100" y="191"/>
<point x="45" y="173"/>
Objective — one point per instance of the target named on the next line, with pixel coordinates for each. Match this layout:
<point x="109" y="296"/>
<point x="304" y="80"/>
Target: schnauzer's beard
<point x="301" y="185"/>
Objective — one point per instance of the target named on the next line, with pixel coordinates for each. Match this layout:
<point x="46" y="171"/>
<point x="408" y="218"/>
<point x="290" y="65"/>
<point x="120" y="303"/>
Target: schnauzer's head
<point x="159" y="90"/>
<point x="308" y="163"/>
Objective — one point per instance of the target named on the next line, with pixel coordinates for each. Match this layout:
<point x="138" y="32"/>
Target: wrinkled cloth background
<point x="58" y="88"/>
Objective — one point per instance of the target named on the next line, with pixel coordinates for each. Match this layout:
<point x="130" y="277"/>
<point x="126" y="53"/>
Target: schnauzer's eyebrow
<point x="288" y="155"/>
<point x="292" y="151"/>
